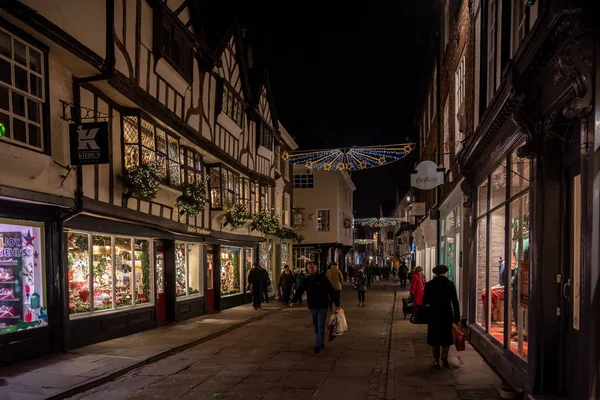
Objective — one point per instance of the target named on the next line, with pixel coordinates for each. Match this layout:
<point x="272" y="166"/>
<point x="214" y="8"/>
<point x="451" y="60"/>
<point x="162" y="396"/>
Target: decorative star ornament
<point x="28" y="238"/>
<point x="35" y="254"/>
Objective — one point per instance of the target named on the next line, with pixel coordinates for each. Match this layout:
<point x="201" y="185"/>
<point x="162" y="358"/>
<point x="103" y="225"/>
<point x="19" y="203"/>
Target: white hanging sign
<point x="427" y="176"/>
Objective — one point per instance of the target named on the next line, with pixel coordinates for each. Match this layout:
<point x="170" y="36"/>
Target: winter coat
<point x="255" y="281"/>
<point x="417" y="285"/>
<point x="266" y="281"/>
<point x="335" y="277"/>
<point x="440" y="296"/>
<point x="286" y="281"/>
<point x="361" y="282"/>
<point x="403" y="271"/>
<point x="299" y="279"/>
<point x="318" y="292"/>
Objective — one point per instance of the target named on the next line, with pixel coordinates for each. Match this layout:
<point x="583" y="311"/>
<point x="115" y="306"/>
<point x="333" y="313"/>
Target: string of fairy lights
<point x="378" y="222"/>
<point x="349" y="159"/>
<point x="364" y="241"/>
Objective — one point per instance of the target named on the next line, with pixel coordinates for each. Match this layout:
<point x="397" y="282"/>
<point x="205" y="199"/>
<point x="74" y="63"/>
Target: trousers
<point x="318" y="319"/>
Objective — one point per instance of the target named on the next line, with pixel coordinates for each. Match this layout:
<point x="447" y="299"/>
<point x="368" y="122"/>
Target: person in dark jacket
<point x="403" y="274"/>
<point x="440" y="296"/>
<point x="286" y="282"/>
<point x="255" y="285"/>
<point x="318" y="292"/>
<point x="265" y="283"/>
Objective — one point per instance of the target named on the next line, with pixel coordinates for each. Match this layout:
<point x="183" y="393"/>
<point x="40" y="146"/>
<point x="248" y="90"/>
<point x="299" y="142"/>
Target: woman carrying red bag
<point x="440" y="296"/>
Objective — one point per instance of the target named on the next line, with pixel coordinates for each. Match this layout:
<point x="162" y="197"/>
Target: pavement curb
<point x="156" y="357"/>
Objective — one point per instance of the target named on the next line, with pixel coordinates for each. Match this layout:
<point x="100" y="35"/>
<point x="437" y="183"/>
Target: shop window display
<point x="230" y="270"/>
<point x="187" y="269"/>
<point x="503" y="263"/>
<point x="22" y="276"/>
<point x="118" y="269"/>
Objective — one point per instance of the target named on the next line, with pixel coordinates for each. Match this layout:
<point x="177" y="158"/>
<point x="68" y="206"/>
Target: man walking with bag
<point x="318" y="293"/>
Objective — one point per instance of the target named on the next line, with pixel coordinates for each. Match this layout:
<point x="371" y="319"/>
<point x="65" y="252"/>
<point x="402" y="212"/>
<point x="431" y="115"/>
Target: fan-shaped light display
<point x="350" y="159"/>
<point x="379" y="222"/>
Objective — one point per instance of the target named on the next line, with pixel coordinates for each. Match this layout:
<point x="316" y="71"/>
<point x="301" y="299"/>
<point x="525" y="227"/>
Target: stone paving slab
<point x="60" y="375"/>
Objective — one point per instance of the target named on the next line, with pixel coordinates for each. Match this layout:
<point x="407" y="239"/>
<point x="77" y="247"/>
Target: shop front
<point x="29" y="307"/>
<point x="232" y="275"/>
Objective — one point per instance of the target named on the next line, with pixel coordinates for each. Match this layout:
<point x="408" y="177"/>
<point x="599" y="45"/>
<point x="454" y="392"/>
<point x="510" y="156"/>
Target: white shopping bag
<point x="341" y="321"/>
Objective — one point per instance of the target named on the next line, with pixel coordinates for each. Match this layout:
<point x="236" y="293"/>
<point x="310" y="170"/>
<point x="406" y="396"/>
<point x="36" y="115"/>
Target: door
<point x="161" y="298"/>
<point x="571" y="282"/>
<point x="210" y="291"/>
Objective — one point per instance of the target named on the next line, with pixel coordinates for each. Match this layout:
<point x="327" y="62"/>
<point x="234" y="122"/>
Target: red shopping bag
<point x="458" y="337"/>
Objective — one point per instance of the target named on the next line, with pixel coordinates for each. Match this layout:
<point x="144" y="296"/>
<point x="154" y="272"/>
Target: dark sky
<point x="346" y="75"/>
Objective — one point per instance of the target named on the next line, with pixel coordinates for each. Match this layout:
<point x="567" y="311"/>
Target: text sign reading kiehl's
<point x="89" y="143"/>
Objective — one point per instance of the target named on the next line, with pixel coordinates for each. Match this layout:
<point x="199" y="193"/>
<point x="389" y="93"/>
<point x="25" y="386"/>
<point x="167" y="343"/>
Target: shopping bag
<point x="278" y="295"/>
<point x="341" y="321"/>
<point x="304" y="297"/>
<point x="420" y="315"/>
<point x="458" y="337"/>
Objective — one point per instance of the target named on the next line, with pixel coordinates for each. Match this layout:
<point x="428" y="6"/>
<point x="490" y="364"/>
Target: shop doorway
<point x="210" y="274"/>
<point x="161" y="298"/>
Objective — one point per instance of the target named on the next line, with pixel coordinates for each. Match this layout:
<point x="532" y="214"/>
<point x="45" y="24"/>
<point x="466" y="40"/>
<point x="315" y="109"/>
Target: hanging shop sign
<point x="417" y="210"/>
<point x="89" y="143"/>
<point x="427" y="176"/>
<point x="347" y="223"/>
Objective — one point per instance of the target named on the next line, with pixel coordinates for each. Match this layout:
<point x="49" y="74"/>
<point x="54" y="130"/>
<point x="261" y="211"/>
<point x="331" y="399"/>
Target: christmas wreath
<point x="193" y="199"/>
<point x="236" y="216"/>
<point x="142" y="181"/>
<point x="265" y="223"/>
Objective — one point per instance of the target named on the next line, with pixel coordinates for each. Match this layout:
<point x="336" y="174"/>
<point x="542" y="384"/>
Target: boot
<point x="436" y="357"/>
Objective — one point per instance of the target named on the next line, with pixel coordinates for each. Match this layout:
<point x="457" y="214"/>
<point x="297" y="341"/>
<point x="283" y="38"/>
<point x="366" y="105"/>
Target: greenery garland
<point x="265" y="223"/>
<point x="286" y="233"/>
<point x="193" y="199"/>
<point x="142" y="181"/>
<point x="236" y="216"/>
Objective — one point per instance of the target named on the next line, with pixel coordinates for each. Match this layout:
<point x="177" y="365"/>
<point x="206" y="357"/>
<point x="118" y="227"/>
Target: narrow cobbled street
<point x="272" y="358"/>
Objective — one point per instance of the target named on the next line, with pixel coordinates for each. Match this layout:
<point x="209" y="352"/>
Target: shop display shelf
<point x="10" y="299"/>
<point x="15" y="317"/>
<point x="8" y="282"/>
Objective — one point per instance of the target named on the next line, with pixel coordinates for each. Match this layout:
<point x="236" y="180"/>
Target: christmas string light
<point x="350" y="159"/>
<point x="363" y="241"/>
<point x="379" y="222"/>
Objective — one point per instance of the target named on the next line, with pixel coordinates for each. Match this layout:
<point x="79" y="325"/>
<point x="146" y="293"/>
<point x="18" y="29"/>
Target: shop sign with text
<point x="417" y="210"/>
<point x="89" y="143"/>
<point x="427" y="176"/>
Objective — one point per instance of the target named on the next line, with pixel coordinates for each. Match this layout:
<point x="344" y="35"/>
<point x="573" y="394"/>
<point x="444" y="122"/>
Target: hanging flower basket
<point x="265" y="223"/>
<point x="142" y="181"/>
<point x="193" y="199"/>
<point x="235" y="216"/>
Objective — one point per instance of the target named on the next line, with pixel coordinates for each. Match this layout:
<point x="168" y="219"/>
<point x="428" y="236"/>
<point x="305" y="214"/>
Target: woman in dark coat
<point x="255" y="285"/>
<point x="440" y="296"/>
<point x="286" y="283"/>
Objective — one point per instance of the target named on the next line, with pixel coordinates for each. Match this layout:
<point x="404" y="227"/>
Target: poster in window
<point x="524" y="283"/>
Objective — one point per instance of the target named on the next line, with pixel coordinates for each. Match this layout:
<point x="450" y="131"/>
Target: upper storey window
<point x="232" y="106"/>
<point x="265" y="135"/>
<point x="191" y="165"/>
<point x="172" y="43"/>
<point x="21" y="91"/>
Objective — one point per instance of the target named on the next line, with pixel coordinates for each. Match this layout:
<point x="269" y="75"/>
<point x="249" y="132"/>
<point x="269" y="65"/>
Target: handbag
<point x="420" y="315"/>
<point x="458" y="337"/>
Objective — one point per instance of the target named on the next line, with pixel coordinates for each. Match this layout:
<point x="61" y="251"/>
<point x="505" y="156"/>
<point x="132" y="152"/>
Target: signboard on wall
<point x="417" y="210"/>
<point x="427" y="176"/>
<point x="89" y="143"/>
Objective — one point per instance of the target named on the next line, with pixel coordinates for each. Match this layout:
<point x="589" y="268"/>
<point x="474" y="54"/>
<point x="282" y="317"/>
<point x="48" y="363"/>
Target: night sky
<point x="341" y="76"/>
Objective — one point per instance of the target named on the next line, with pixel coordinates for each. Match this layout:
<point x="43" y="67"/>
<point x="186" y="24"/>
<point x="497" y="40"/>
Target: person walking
<point x="318" y="293"/>
<point x="286" y="282"/>
<point x="417" y="286"/>
<point x="336" y="278"/>
<point x="440" y="296"/>
<point x="361" y="288"/>
<point x="265" y="283"/>
<point x="403" y="274"/>
<point x="255" y="282"/>
<point x="300" y="276"/>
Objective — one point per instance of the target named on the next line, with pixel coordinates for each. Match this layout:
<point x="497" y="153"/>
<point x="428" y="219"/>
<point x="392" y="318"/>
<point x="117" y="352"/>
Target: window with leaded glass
<point x="224" y="187"/>
<point x="245" y="193"/>
<point x="264" y="198"/>
<point x="265" y="135"/>
<point x="232" y="106"/>
<point x="191" y="165"/>
<point x="173" y="44"/>
<point x="255" y="195"/>
<point x="21" y="91"/>
<point x="145" y="142"/>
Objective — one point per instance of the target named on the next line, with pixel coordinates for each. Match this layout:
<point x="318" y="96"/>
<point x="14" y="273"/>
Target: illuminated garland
<point x="363" y="241"/>
<point x="142" y="181"/>
<point x="351" y="159"/>
<point x="379" y="222"/>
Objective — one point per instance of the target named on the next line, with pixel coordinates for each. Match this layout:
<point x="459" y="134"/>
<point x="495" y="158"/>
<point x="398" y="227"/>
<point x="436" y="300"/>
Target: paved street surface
<point x="272" y="358"/>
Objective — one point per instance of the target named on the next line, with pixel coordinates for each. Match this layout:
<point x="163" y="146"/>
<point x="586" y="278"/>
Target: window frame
<point x="459" y="99"/>
<point x="224" y="187"/>
<point x="170" y="160"/>
<point x="179" y="37"/>
<point x="42" y="101"/>
<point x="265" y="134"/>
<point x="232" y="105"/>
<point x="114" y="308"/>
<point x="200" y="292"/>
<point x="327" y="213"/>
<point x="197" y="167"/>
<point x="299" y="181"/>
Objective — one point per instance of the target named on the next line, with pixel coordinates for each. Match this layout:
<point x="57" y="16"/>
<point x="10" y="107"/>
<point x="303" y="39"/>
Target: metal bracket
<point x="68" y="111"/>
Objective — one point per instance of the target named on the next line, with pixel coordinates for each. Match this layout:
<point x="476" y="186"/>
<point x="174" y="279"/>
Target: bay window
<point x="22" y="93"/>
<point x="224" y="187"/>
<point x="108" y="272"/>
<point x="502" y="253"/>
<point x="145" y="142"/>
<point x="244" y="191"/>
<point x="191" y="165"/>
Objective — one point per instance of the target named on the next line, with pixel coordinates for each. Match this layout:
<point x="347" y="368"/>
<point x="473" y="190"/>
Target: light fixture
<point x="408" y="198"/>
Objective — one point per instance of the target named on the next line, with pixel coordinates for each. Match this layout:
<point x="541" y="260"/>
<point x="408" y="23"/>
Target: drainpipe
<point x="438" y="100"/>
<point x="107" y="73"/>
